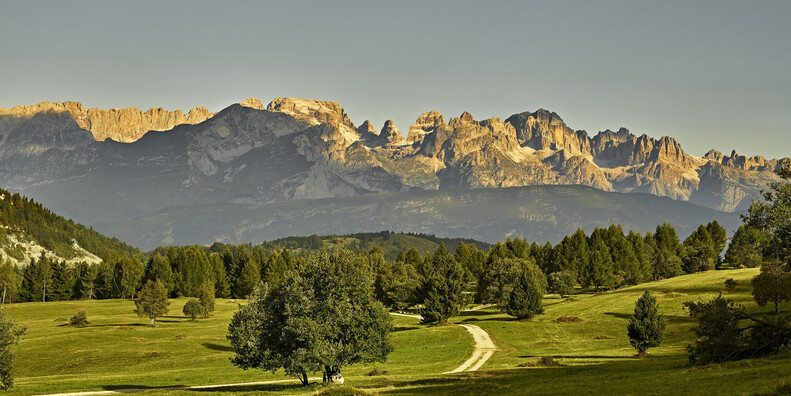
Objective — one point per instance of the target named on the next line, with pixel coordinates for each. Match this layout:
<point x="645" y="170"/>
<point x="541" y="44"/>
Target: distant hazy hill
<point x="27" y="229"/>
<point x="72" y="159"/>
<point x="538" y="213"/>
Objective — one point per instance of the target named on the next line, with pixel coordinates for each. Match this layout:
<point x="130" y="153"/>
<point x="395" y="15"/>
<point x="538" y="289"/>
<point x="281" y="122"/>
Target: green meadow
<point x="584" y="335"/>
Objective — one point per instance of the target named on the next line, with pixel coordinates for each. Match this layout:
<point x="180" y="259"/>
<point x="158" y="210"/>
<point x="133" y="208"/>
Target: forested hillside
<point x="28" y="229"/>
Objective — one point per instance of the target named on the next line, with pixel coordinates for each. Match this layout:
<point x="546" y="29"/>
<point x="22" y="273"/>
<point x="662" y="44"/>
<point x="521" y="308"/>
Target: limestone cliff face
<point x="299" y="148"/>
<point x="121" y="125"/>
<point x="544" y="130"/>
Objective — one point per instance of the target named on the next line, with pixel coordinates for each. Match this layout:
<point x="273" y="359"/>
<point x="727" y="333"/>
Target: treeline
<point x="607" y="258"/>
<point x="315" y="242"/>
<point x="54" y="232"/>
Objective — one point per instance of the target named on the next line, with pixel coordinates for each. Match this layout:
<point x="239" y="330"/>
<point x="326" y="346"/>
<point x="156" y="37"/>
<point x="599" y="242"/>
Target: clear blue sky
<point x="713" y="74"/>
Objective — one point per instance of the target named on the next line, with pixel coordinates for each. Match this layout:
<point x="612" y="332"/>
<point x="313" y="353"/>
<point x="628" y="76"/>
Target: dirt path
<point x="484" y="346"/>
<point x="483" y="350"/>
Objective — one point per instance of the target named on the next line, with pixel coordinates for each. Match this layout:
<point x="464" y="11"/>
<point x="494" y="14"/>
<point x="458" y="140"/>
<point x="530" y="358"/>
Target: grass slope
<point x="118" y="351"/>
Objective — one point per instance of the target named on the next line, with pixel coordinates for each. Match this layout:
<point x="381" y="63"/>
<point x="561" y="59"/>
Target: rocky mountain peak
<point x="424" y="124"/>
<point x="366" y="128"/>
<point x="253" y="103"/>
<point x="313" y="112"/>
<point x="391" y="134"/>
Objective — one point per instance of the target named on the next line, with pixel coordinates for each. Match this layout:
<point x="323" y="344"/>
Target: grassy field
<point x="585" y="334"/>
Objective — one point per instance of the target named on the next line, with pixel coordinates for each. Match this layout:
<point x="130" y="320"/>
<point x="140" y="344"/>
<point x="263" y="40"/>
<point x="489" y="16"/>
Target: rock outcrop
<point x="121" y="125"/>
<point x="298" y="148"/>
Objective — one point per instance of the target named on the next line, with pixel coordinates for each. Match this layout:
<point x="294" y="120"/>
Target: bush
<point x="192" y="308"/>
<point x="730" y="284"/>
<point x="79" y="319"/>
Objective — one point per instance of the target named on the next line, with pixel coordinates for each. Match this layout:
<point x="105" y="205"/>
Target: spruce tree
<point x="443" y="290"/>
<point x="745" y="247"/>
<point x="158" y="267"/>
<point x="525" y="298"/>
<point x="248" y="279"/>
<point x="152" y="301"/>
<point x="646" y="328"/>
<point x="206" y="298"/>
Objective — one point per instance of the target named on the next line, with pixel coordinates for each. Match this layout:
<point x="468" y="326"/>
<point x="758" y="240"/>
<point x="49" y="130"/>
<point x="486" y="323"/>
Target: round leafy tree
<point x="320" y="317"/>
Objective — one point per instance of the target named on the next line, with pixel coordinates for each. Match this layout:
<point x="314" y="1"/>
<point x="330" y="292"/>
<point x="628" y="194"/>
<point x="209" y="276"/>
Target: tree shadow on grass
<point x="121" y="325"/>
<point x="669" y="318"/>
<point x="577" y="356"/>
<point x="245" y="389"/>
<point x="478" y="313"/>
<point x="217" y="347"/>
<point x="404" y="328"/>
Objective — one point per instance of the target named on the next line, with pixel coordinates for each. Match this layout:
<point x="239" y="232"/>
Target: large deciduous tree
<point x="320" y="317"/>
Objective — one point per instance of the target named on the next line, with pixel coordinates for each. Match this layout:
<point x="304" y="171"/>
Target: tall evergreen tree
<point x="646" y="328"/>
<point x="152" y="301"/>
<point x="221" y="285"/>
<point x="249" y="277"/>
<point x="745" y="249"/>
<point x="158" y="267"/>
<point x="525" y="299"/>
<point x="699" y="251"/>
<point x="84" y="281"/>
<point x="62" y="282"/>
<point x="443" y="290"/>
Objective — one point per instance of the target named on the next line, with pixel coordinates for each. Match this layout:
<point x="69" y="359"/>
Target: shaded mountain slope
<point x="538" y="213"/>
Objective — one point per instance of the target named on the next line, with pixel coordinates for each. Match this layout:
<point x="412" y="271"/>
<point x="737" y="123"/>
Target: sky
<point x="712" y="74"/>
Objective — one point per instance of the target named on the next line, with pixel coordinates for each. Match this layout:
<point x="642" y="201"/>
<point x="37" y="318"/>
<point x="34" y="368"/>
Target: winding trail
<point x="483" y="349"/>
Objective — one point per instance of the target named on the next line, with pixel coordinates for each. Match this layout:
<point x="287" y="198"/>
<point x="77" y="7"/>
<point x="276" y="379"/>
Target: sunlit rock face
<point x="102" y="165"/>
<point x="121" y="125"/>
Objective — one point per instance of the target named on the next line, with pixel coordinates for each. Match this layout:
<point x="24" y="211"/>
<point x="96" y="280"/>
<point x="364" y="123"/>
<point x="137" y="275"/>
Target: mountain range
<point x="103" y="166"/>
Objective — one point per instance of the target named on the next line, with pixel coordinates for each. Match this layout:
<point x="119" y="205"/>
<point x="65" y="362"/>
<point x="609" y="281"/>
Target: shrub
<point x="192" y="308"/>
<point x="730" y="284"/>
<point x="79" y="319"/>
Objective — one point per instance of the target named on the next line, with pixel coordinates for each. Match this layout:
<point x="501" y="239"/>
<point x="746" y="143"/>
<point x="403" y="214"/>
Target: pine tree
<point x="158" y="267"/>
<point x="525" y="299"/>
<point x="248" y="279"/>
<point x="62" y="282"/>
<point x="206" y="298"/>
<point x="152" y="301"/>
<point x="221" y="285"/>
<point x="646" y="328"/>
<point x="699" y="254"/>
<point x="443" y="290"/>
<point x="745" y="247"/>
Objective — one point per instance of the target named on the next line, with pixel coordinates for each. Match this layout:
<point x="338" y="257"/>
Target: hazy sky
<point x="713" y="74"/>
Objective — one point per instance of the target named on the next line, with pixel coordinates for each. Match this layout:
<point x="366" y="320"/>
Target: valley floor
<point x="585" y="334"/>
